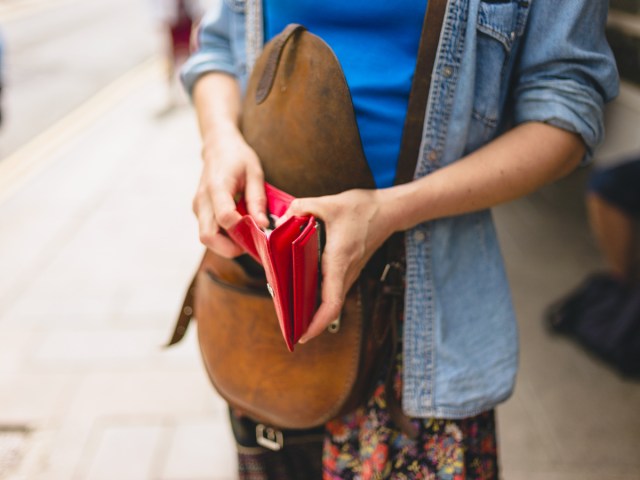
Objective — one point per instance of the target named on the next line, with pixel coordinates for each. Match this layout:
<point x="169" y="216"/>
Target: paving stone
<point x="123" y="453"/>
<point x="142" y="393"/>
<point x="201" y="449"/>
<point x="15" y="346"/>
<point x="13" y="443"/>
<point x="91" y="349"/>
<point x="35" y="399"/>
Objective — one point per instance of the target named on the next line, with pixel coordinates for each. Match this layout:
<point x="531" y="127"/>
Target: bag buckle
<point x="269" y="437"/>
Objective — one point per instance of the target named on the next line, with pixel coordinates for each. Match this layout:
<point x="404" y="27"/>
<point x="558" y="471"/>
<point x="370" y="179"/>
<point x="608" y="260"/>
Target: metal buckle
<point x="268" y="437"/>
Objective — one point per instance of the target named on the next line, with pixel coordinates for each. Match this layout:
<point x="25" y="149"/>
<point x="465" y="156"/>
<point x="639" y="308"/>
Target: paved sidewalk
<point x="95" y="252"/>
<point x="96" y="248"/>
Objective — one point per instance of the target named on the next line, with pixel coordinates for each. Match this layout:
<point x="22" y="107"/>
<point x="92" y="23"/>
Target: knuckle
<point x="206" y="238"/>
<point x="297" y="206"/>
<point x="226" y="218"/>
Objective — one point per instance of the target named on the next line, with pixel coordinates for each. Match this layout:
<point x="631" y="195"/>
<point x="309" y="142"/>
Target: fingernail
<point x="303" y="340"/>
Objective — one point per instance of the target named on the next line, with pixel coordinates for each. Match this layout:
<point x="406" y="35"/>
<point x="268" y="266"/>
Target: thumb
<point x="300" y="207"/>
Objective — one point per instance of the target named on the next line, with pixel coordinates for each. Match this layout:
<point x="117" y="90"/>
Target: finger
<point x="333" y="295"/>
<point x="224" y="209"/>
<point x="224" y="246"/>
<point x="207" y="227"/>
<point x="256" y="198"/>
<point x="301" y="207"/>
<point x="210" y="234"/>
<point x="327" y="313"/>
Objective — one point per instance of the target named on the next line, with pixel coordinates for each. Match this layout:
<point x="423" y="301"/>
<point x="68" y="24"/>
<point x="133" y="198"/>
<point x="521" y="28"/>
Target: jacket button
<point x="447" y="72"/>
<point x="419" y="236"/>
<point x="433" y="156"/>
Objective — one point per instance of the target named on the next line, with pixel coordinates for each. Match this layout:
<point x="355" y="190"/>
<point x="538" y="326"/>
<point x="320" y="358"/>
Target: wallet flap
<point x="280" y="257"/>
<point x="289" y="256"/>
<point x="277" y="201"/>
<point x="305" y="254"/>
<point x="249" y="236"/>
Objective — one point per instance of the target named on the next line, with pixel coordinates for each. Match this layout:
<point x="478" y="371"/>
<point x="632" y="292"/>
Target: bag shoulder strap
<point x="414" y="121"/>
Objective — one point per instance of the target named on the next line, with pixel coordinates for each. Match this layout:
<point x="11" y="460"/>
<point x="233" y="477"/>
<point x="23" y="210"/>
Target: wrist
<point x="403" y="205"/>
<point x="393" y="208"/>
<point x="222" y="130"/>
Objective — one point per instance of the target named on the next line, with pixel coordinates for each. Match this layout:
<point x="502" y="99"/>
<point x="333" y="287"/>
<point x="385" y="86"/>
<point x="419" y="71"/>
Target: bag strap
<point x="417" y="107"/>
<point x="186" y="312"/>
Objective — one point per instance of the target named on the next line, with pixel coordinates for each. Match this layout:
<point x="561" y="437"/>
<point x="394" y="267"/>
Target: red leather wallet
<point x="290" y="257"/>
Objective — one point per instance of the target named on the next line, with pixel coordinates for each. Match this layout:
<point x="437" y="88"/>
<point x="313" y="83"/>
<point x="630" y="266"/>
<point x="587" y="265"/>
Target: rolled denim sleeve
<point x="214" y="51"/>
<point x="566" y="71"/>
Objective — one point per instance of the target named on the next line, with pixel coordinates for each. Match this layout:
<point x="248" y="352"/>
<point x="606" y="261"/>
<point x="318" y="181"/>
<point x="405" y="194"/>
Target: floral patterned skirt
<point x="366" y="445"/>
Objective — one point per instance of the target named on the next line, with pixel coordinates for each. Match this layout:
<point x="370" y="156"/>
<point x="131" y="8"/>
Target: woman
<point x="516" y="102"/>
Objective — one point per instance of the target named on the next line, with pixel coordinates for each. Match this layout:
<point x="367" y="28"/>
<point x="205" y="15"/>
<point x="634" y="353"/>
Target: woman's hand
<point x="231" y="167"/>
<point x="356" y="226"/>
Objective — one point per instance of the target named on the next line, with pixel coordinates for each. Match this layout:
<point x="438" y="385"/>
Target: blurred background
<point x="99" y="158"/>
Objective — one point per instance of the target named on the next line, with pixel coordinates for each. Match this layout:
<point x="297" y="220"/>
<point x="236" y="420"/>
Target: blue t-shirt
<point x="376" y="42"/>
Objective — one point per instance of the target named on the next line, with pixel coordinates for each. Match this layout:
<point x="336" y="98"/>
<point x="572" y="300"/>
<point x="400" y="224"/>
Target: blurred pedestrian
<point x="613" y="203"/>
<point x="603" y="312"/>
<point x="176" y="19"/>
<point x="516" y="102"/>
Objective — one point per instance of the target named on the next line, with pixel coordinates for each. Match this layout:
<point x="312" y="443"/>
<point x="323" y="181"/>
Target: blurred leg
<point x="614" y="232"/>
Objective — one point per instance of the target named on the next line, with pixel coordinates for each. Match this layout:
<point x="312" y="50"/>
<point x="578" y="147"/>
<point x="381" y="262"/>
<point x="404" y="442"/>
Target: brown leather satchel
<point x="297" y="116"/>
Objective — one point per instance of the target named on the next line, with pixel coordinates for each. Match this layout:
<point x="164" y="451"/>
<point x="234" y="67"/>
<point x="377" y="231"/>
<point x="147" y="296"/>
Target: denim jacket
<point x="499" y="63"/>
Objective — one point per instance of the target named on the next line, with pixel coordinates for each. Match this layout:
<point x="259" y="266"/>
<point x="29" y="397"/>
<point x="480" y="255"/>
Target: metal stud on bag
<point x="269" y="437"/>
<point x="334" y="327"/>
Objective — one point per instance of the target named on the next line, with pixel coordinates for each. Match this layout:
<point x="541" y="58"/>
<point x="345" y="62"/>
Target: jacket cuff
<point x="566" y="105"/>
<point x="201" y="63"/>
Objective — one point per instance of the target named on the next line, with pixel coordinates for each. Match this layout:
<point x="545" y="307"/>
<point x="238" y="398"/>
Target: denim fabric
<point x="499" y="63"/>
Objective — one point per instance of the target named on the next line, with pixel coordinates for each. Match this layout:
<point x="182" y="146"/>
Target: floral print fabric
<point x="366" y="445"/>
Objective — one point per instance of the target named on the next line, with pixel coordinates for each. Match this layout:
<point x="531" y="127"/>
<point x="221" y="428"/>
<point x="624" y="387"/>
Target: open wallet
<point x="289" y="254"/>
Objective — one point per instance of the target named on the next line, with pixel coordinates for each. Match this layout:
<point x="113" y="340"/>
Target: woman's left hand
<point x="356" y="226"/>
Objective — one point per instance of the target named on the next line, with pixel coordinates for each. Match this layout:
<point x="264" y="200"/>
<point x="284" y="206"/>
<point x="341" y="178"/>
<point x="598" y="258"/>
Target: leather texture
<point x="289" y="255"/>
<point x="297" y="115"/>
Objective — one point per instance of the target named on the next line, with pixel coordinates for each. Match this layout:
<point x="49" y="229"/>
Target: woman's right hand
<point x="231" y="168"/>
